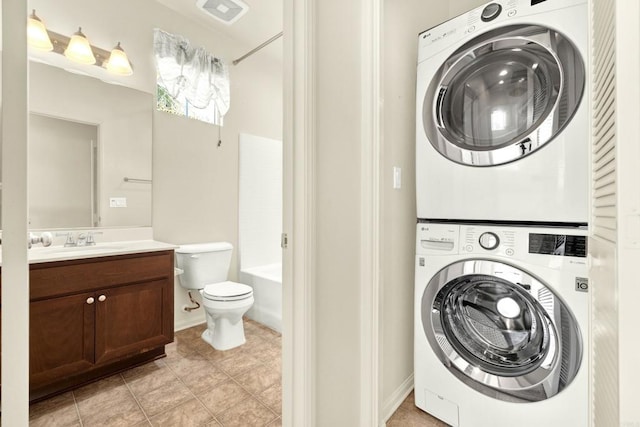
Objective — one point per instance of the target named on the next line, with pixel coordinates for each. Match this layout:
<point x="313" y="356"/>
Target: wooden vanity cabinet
<point x="90" y="318"/>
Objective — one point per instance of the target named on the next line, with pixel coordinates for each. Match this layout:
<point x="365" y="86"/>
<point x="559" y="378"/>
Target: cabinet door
<point x="61" y="337"/>
<point x="133" y="319"/>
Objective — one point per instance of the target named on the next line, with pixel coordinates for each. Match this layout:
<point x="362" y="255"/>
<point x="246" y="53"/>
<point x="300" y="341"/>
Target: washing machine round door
<point x="503" y="95"/>
<point x="501" y="331"/>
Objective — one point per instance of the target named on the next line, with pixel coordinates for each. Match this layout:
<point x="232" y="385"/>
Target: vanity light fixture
<point x="118" y="63"/>
<point x="37" y="33"/>
<point x="77" y="48"/>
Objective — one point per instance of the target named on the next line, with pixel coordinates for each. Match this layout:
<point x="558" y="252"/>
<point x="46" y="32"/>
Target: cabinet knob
<point x="102" y="298"/>
<point x="90" y="300"/>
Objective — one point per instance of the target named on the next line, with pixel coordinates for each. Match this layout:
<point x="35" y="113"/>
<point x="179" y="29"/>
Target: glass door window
<point x="501" y="331"/>
<point x="503" y="95"/>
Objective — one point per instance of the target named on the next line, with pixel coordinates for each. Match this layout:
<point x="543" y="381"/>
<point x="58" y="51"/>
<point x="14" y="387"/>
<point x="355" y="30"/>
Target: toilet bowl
<point x="225" y="303"/>
<point x="204" y="267"/>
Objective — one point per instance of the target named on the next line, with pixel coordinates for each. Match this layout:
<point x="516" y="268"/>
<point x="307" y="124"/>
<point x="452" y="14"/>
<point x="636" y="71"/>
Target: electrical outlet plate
<point x="117" y="202"/>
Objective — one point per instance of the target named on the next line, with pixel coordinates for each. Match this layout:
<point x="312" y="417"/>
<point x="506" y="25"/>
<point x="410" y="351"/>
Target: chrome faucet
<point x="70" y="241"/>
<point x="91" y="237"/>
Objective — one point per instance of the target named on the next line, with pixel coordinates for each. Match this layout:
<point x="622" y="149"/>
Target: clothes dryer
<point x="501" y="325"/>
<point x="502" y="127"/>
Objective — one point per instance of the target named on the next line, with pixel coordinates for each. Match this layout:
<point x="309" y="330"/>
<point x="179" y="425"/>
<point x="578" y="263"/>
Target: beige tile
<point x="146" y="369"/>
<point x="224" y="396"/>
<point x="253" y="331"/>
<point x="178" y="349"/>
<point x="256" y="346"/>
<point x="52" y="403"/>
<point x="118" y="410"/>
<point x="214" y="423"/>
<point x="409" y="402"/>
<point x="276" y="364"/>
<point x="276" y="423"/>
<point x="405" y="418"/>
<point x="259" y="379"/>
<point x="188" y="414"/>
<point x="102" y="390"/>
<point x="247" y="413"/>
<point x="183" y="366"/>
<point x="167" y="396"/>
<point x="239" y="364"/>
<point x="217" y="356"/>
<point x="200" y="345"/>
<point x="272" y="397"/>
<point x="59" y="411"/>
<point x="204" y="378"/>
<point x="190" y="333"/>
<point x="145" y="383"/>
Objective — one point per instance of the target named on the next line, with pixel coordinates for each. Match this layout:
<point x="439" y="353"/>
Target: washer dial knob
<point x="489" y="241"/>
<point x="491" y="12"/>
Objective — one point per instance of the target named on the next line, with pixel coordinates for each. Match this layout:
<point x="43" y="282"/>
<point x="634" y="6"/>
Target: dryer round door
<point x="503" y="95"/>
<point x="501" y="331"/>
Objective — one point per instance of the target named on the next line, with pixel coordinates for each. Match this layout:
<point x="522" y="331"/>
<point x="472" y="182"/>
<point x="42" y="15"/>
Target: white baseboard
<point x="391" y="405"/>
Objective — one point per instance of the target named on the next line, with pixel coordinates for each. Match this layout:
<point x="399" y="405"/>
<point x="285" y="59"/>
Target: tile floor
<point x="408" y="415"/>
<point x="194" y="385"/>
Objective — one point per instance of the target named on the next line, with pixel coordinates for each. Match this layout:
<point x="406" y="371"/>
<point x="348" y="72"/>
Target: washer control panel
<point x="489" y="240"/>
<point x="543" y="245"/>
<point x="485" y="239"/>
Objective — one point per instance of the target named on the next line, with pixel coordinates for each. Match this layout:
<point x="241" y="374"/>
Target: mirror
<point x="90" y="152"/>
<point x="62" y="173"/>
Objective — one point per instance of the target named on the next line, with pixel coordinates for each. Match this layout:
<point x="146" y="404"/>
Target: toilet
<point x="204" y="268"/>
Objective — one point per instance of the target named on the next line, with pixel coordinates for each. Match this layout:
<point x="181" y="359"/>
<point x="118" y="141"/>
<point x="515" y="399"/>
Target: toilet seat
<point x="227" y="291"/>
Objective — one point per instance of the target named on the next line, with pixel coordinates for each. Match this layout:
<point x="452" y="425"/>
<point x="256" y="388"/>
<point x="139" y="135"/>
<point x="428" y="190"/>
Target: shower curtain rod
<point x="252" y="51"/>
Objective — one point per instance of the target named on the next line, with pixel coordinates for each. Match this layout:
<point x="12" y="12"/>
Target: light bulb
<point x="118" y="63"/>
<point x="79" y="49"/>
<point x="37" y="35"/>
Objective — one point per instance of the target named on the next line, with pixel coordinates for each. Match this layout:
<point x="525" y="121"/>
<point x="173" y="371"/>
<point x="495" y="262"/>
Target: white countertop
<point x="39" y="254"/>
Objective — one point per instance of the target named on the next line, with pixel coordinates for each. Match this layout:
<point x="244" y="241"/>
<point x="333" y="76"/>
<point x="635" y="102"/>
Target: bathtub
<point x="266" y="281"/>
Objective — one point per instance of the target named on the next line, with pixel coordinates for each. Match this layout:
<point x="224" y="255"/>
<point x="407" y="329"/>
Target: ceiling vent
<point x="227" y="11"/>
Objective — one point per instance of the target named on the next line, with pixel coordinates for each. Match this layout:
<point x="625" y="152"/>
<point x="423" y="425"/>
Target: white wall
<point x="338" y="192"/>
<point x="260" y="201"/>
<point x="402" y="23"/>
<point x="458" y="7"/>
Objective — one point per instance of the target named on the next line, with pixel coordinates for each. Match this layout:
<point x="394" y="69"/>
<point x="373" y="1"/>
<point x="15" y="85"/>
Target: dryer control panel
<point x="484" y="18"/>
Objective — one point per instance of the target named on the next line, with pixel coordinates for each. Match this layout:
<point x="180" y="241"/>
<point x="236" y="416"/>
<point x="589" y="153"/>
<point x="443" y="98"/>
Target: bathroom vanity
<point x="94" y="313"/>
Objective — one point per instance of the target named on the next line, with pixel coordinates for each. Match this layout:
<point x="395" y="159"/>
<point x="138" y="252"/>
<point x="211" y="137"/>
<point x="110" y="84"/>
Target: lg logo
<point x="582" y="284"/>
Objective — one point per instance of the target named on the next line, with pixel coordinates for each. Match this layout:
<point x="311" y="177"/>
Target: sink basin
<point x="76" y="250"/>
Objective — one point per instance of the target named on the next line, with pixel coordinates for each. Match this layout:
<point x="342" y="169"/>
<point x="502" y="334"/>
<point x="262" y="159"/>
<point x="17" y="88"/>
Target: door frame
<point x="299" y="132"/>
<point x="298" y="337"/>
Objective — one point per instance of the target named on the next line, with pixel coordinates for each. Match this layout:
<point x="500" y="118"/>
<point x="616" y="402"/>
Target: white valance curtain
<point x="192" y="76"/>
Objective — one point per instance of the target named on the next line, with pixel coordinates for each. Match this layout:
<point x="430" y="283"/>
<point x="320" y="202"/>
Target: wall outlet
<point x="117" y="202"/>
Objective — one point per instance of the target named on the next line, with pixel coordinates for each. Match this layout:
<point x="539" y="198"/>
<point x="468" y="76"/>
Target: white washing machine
<point x="502" y="127"/>
<point x="501" y="325"/>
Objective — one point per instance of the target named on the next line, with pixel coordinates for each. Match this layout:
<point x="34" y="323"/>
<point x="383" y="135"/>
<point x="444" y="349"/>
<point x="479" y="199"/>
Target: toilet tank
<point x="203" y="264"/>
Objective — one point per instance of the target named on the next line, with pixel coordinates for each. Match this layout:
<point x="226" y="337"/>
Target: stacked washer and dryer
<point x="501" y="291"/>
